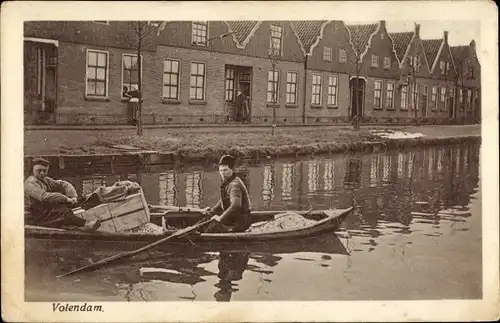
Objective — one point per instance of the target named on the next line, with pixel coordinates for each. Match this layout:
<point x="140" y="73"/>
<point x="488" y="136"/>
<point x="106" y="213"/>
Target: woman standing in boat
<point x="48" y="202"/>
<point x="232" y="212"/>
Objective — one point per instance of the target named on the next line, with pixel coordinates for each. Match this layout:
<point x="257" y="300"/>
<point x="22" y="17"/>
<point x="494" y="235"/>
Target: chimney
<point x="382" y="24"/>
<point x="473" y="45"/>
<point x="445" y="36"/>
<point x="417" y="30"/>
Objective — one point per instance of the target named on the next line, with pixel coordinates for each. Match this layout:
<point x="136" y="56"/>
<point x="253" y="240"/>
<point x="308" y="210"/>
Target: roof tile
<point x="308" y="31"/>
<point x="459" y="53"/>
<point x="360" y="34"/>
<point x="241" y="29"/>
<point x="401" y="41"/>
<point x="431" y="49"/>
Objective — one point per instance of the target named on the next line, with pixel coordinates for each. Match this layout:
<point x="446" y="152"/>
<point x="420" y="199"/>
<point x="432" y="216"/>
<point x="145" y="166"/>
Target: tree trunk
<point x="139" y="80"/>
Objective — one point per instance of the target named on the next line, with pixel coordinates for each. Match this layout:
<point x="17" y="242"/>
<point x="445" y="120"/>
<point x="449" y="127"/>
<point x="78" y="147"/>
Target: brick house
<point x="327" y="49"/>
<point x="442" y="76"/>
<point x="414" y="67"/>
<point x="467" y="83"/>
<point x="380" y="69"/>
<point x="76" y="71"/>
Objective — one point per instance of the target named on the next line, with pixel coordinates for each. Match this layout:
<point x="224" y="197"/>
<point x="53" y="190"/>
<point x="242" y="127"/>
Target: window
<point x="273" y="86"/>
<point x="442" y="98"/>
<point x="389" y="103"/>
<point x="171" y="79"/>
<point x="97" y="73"/>
<point x="275" y="43"/>
<point x="342" y="56"/>
<point x="374" y="61"/>
<point x="424" y="97"/>
<point x="291" y="88"/>
<point x="472" y="74"/>
<point x="414" y="98"/>
<point x="332" y="90"/>
<point x="442" y="67"/>
<point x="199" y="33"/>
<point x="469" y="98"/>
<point x="229" y="84"/>
<point x="404" y="97"/>
<point x="193" y="189"/>
<point x="197" y="81"/>
<point x="327" y="53"/>
<point x="415" y="63"/>
<point x="460" y="96"/>
<point x="316" y="89"/>
<point x="130" y="79"/>
<point x="377" y="95"/>
<point x="434" y="98"/>
<point x="387" y="63"/>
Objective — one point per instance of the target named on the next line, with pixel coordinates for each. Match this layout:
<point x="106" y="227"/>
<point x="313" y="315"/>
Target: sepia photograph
<point x="247" y="160"/>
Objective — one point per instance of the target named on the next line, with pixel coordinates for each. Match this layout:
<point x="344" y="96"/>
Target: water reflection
<point x="397" y="196"/>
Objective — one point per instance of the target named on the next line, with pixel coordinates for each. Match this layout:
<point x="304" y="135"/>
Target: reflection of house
<point x="76" y="72"/>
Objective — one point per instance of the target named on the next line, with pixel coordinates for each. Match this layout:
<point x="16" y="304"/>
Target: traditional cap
<point x="40" y="161"/>
<point x="227" y="160"/>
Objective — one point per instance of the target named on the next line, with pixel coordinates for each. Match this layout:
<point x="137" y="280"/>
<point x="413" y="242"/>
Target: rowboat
<point x="325" y="220"/>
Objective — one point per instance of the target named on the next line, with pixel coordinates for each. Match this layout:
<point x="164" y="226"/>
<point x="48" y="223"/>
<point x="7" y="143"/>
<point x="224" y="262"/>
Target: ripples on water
<point x="415" y="234"/>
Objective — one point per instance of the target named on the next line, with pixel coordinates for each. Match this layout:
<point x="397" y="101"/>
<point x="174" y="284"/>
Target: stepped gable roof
<point x="401" y="41"/>
<point x="360" y="36"/>
<point x="431" y="49"/>
<point x="243" y="30"/>
<point x="308" y="32"/>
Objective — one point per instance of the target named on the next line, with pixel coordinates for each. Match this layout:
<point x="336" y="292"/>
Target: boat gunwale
<point x="57" y="234"/>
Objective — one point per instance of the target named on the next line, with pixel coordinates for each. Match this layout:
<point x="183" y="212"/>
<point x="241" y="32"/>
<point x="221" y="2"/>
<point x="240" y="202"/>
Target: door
<point x="357" y="96"/>
<point x="245" y="89"/>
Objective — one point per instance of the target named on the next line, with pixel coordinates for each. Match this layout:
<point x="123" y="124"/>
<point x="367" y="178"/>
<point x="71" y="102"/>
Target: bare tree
<point x="142" y="31"/>
<point x="462" y="67"/>
<point x="357" y="64"/>
<point x="414" y="64"/>
<point x="274" y="57"/>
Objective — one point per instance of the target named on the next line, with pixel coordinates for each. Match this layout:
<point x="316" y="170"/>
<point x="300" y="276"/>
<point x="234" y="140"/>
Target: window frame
<point x="335" y="93"/>
<point x="374" y="61"/>
<point x="122" y="63"/>
<point x="329" y="57"/>
<point x="342" y="58"/>
<point x="442" y="95"/>
<point x="425" y="93"/>
<point x="204" y="89"/>
<point x="316" y="86"/>
<point x="271" y="37"/>
<point x="405" y="106"/>
<point x="199" y="22"/>
<point x="106" y="94"/>
<point x="379" y="91"/>
<point x="434" y="98"/>
<point x="178" y="79"/>
<point x="391" y="107"/>
<point x="226" y="79"/>
<point x="287" y="93"/>
<point x="273" y="81"/>
<point x="388" y="61"/>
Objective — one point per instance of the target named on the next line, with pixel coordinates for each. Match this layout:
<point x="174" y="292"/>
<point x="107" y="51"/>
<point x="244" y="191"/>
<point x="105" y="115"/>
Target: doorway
<point x="40" y="84"/>
<point x="238" y="78"/>
<point x="357" y="87"/>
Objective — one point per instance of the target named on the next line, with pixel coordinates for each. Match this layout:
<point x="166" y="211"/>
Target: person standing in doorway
<point x="241" y="106"/>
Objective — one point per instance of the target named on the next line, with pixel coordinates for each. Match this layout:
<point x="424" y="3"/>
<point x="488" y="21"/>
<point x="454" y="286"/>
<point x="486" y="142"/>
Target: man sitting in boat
<point x="48" y="202"/>
<point x="232" y="212"/>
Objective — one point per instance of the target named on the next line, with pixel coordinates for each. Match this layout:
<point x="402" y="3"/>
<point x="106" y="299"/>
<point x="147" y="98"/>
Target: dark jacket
<point x="234" y="205"/>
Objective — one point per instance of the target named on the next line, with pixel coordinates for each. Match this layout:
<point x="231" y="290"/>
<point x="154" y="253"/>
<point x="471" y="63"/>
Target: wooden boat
<point x="326" y="220"/>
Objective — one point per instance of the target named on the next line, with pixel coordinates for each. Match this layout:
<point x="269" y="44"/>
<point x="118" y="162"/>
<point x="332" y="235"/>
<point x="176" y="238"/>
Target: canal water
<point x="415" y="234"/>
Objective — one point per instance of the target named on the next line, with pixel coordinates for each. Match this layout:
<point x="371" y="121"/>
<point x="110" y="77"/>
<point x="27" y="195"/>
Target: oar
<point x="134" y="252"/>
<point x="176" y="208"/>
